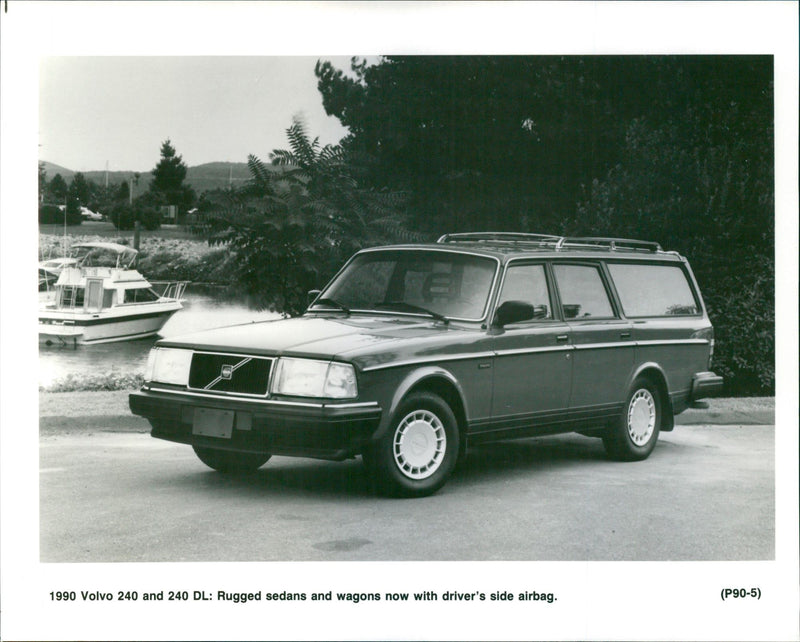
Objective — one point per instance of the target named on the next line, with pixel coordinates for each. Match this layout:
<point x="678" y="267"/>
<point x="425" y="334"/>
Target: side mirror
<point x="513" y="312"/>
<point x="312" y="294"/>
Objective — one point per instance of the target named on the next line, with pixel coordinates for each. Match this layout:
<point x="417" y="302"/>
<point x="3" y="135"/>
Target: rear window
<point x="653" y="290"/>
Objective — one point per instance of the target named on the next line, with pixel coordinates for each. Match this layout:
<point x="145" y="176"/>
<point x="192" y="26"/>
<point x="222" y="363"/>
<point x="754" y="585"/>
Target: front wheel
<point x="635" y="433"/>
<point x="419" y="451"/>
<point x="228" y="461"/>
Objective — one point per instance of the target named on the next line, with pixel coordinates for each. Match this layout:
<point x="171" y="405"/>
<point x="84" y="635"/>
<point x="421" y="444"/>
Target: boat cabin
<point x="103" y="277"/>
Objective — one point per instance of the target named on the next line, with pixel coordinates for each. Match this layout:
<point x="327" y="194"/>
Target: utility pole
<point x="136" y="224"/>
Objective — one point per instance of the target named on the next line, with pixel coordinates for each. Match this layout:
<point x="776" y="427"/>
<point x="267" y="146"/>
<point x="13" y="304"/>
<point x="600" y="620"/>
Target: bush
<point x="122" y="216"/>
<point x="96" y="381"/>
<point x="50" y="214"/>
<point x="149" y="217"/>
<point x="185" y="260"/>
<point x="54" y="215"/>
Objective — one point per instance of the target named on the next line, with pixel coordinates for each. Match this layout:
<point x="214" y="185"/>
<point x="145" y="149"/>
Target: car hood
<point x="357" y="338"/>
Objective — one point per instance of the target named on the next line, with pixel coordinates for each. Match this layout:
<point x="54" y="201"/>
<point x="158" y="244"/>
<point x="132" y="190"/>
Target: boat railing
<point x="170" y="289"/>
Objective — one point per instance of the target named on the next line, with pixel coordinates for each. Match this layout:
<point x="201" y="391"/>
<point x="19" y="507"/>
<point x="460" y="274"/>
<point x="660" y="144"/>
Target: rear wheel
<point x="635" y="433"/>
<point x="420" y="449"/>
<point x="228" y="461"/>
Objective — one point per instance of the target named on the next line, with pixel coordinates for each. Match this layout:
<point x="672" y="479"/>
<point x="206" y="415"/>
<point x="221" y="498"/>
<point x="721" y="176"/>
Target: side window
<point x="528" y="283"/>
<point x="583" y="295"/>
<point x="140" y="295"/>
<point x="653" y="290"/>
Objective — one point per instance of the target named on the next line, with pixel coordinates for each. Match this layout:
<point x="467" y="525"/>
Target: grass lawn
<point x="105" y="230"/>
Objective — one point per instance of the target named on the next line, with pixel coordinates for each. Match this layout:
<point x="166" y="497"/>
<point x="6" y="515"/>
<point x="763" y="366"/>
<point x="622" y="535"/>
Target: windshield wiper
<point x="332" y="302"/>
<point x="402" y="306"/>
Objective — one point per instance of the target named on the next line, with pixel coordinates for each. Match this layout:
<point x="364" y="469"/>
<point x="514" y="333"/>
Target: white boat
<point x="102" y="298"/>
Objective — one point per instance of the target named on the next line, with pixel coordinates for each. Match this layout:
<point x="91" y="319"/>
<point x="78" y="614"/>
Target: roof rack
<point x="609" y="243"/>
<point x="558" y="243"/>
<point x="506" y="237"/>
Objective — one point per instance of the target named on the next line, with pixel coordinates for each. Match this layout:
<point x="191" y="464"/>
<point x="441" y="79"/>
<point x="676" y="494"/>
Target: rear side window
<point x="583" y="295"/>
<point x="653" y="290"/>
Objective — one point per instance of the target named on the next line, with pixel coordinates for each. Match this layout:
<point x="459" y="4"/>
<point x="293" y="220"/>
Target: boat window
<point x="140" y="295"/>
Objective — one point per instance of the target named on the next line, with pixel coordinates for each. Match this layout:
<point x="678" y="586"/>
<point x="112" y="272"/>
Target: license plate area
<point x="210" y="422"/>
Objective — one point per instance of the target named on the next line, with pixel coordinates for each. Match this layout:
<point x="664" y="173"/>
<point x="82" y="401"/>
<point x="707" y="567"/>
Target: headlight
<point x="311" y="378"/>
<point x="169" y="365"/>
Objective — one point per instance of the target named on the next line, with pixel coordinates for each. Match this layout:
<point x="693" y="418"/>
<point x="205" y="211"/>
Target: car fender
<point x="414" y="379"/>
<point x="653" y="366"/>
<point x="648" y="365"/>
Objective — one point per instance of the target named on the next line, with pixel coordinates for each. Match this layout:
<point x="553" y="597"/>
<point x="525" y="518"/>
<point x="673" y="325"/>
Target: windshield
<point x="436" y="283"/>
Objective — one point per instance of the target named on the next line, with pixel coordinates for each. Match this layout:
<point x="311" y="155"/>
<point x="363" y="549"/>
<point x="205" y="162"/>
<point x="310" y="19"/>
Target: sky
<point x="118" y="110"/>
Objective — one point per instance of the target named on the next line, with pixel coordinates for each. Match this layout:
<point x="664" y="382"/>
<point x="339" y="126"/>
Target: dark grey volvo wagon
<point x="413" y="352"/>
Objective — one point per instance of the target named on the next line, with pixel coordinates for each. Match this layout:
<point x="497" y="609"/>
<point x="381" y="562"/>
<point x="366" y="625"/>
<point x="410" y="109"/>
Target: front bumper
<point x="320" y="430"/>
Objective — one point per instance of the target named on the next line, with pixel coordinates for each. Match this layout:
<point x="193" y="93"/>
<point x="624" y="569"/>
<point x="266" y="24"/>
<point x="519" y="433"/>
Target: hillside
<point x="201" y="178"/>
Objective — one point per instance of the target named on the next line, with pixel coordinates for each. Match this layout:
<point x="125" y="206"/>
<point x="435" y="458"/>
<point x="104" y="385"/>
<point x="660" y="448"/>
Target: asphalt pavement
<point x="111" y="493"/>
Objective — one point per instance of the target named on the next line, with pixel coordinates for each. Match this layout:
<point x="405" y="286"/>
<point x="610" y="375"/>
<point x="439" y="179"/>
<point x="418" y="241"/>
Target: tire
<point x="635" y="433"/>
<point x="228" y="461"/>
<point x="419" y="451"/>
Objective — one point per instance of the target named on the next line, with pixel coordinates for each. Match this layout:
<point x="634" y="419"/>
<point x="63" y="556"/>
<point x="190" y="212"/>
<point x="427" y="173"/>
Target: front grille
<point x="230" y="373"/>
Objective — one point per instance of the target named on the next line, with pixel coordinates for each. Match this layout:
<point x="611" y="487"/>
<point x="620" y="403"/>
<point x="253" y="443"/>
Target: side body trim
<point x="561" y="348"/>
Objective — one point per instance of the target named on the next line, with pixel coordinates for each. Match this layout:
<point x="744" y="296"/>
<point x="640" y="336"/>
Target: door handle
<point x="561" y="338"/>
<point x="625" y="335"/>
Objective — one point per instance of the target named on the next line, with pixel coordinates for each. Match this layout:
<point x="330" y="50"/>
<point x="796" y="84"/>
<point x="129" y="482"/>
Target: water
<point x="203" y="308"/>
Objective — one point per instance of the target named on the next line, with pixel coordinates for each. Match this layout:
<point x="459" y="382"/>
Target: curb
<point x="109" y="410"/>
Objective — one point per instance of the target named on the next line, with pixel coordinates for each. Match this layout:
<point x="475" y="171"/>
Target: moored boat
<point x="103" y="298"/>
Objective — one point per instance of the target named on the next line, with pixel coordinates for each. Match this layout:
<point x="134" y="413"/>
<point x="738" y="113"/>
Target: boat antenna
<point x="66" y="198"/>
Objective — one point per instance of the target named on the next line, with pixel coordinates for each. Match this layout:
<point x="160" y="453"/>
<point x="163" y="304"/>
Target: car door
<point x="532" y="366"/>
<point x="604" y="350"/>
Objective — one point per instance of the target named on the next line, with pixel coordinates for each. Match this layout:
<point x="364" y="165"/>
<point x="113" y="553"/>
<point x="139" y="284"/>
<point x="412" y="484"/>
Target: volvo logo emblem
<point x="226" y="372"/>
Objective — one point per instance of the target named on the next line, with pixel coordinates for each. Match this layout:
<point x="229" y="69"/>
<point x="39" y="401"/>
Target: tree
<point x="295" y="222"/>
<point x="57" y="189"/>
<point x="507" y="142"/>
<point x="42" y="182"/>
<point x="80" y="188"/>
<point x="479" y="141"/>
<point x="677" y="149"/>
<point x="701" y="181"/>
<point x="170" y="171"/>
<point x="123" y="192"/>
<point x="168" y="177"/>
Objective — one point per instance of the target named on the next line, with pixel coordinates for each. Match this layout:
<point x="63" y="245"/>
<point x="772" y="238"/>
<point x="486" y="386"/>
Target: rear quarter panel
<point x="669" y="343"/>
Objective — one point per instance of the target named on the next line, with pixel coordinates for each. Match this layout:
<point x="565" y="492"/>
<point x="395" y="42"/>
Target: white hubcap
<point x="419" y="444"/>
<point x="641" y="417"/>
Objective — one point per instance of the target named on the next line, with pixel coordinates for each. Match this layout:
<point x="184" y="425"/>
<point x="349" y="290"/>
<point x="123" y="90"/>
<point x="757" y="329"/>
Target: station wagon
<point x="413" y="353"/>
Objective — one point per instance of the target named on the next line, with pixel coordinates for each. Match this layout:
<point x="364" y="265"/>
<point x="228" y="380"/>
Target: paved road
<point x="706" y="493"/>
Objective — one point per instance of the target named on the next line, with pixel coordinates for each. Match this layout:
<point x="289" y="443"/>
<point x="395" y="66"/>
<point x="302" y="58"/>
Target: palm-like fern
<point x="298" y="219"/>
